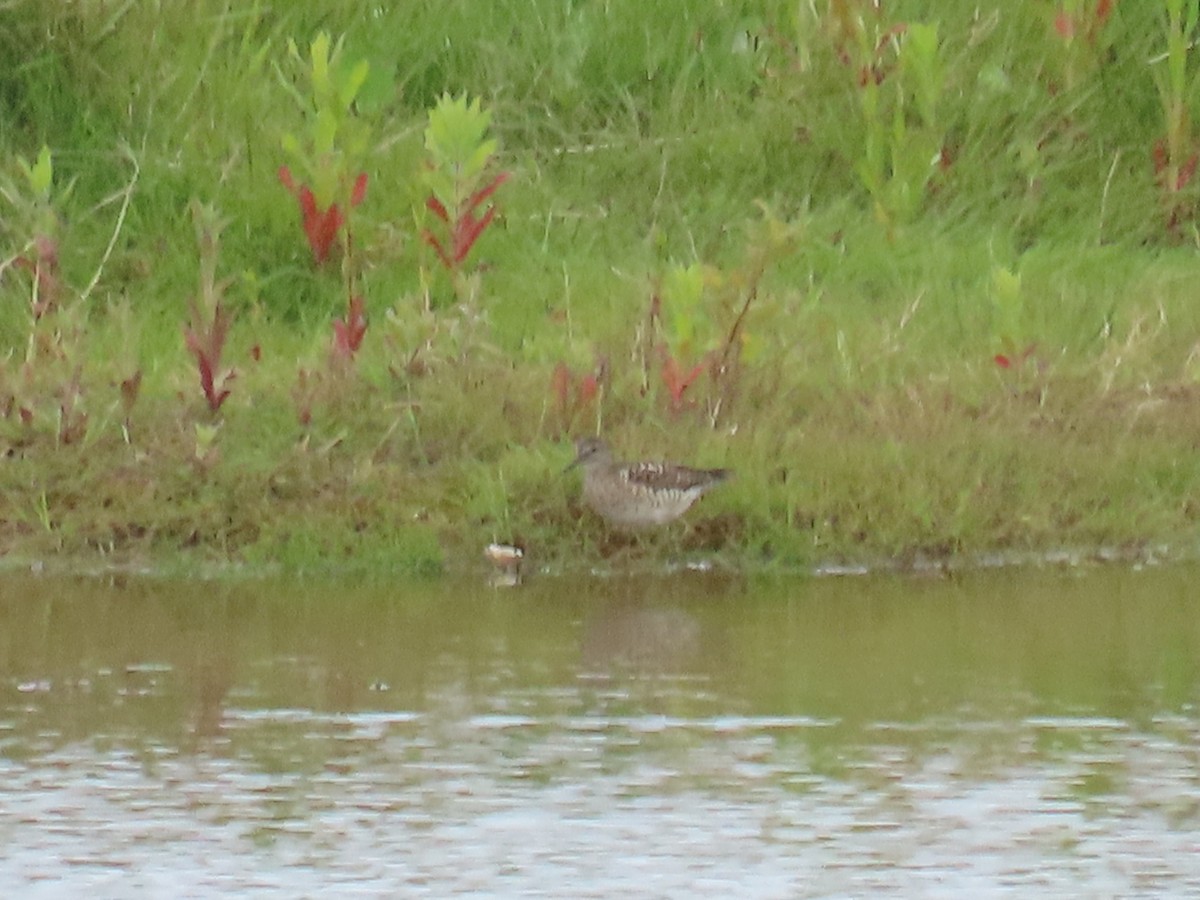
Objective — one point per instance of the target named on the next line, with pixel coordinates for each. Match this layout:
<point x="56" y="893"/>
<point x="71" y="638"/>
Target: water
<point x="1002" y="733"/>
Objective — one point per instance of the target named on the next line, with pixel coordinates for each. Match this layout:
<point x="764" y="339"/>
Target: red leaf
<point x="307" y="201"/>
<point x="359" y="193"/>
<point x="130" y="387"/>
<point x="1158" y="154"/>
<point x="434" y="205"/>
<point x="674" y="379"/>
<point x="589" y="386"/>
<point x="207" y="346"/>
<point x="467" y="231"/>
<point x="348" y="332"/>
<point x="204" y="364"/>
<point x="331" y="223"/>
<point x="321" y="227"/>
<point x="483" y="193"/>
<point x="1002" y="361"/>
<point x="45" y="275"/>
<point x="44" y="266"/>
<point x="428" y="237"/>
<point x="465" y="226"/>
<point x="1064" y="25"/>
<point x="897" y="30"/>
<point x="1186" y="171"/>
<point x="342" y="340"/>
<point x="693" y="375"/>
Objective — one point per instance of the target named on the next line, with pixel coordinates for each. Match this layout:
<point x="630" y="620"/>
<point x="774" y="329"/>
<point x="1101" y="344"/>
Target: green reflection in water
<point x="841" y="663"/>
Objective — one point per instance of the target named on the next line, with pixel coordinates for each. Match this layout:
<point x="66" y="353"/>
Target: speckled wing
<point x="663" y="477"/>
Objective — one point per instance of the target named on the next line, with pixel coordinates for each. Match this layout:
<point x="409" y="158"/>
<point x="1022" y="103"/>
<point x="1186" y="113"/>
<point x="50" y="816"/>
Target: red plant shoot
<point x="1067" y="25"/>
<point x="321" y="226"/>
<point x="1162" y="163"/>
<point x="572" y="393"/>
<point x="1009" y="360"/>
<point x="206" y="342"/>
<point x="348" y="332"/>
<point x="43" y="263"/>
<point x="209" y="322"/>
<point x="676" y="380"/>
<point x="464" y="227"/>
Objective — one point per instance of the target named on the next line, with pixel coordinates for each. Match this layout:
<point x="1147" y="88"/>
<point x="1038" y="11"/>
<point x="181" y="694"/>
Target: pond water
<point x="1025" y="731"/>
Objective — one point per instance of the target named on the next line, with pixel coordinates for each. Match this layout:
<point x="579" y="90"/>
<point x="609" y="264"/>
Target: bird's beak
<point x="573" y="463"/>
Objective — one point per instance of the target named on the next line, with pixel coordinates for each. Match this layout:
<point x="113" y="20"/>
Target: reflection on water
<point x="684" y="736"/>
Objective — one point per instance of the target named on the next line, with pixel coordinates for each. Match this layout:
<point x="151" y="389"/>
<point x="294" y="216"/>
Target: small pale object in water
<point x="507" y="559"/>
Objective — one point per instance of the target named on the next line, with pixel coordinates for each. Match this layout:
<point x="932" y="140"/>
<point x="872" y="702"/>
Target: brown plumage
<point x="639" y="494"/>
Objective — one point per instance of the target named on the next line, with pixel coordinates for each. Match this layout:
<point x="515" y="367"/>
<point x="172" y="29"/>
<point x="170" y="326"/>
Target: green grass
<point x="868" y="420"/>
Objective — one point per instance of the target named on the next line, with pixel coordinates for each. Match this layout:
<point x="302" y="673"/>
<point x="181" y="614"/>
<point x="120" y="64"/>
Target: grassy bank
<point x="924" y="277"/>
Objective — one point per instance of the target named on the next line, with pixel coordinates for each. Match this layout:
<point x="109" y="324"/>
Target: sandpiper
<point x="639" y="494"/>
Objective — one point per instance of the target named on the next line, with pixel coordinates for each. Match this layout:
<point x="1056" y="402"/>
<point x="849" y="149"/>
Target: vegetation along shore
<point x="338" y="286"/>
